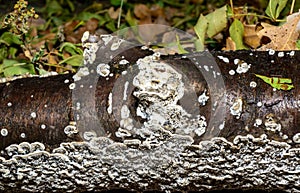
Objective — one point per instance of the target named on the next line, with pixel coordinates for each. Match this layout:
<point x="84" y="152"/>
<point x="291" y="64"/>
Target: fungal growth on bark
<point x="137" y="120"/>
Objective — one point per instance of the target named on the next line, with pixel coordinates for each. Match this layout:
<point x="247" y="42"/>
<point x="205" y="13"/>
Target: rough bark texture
<point x="255" y="147"/>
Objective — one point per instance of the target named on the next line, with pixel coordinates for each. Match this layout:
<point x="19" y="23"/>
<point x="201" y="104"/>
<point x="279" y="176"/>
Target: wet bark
<point x="39" y="109"/>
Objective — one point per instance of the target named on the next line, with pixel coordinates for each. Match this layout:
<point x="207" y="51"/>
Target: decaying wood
<point x="256" y="149"/>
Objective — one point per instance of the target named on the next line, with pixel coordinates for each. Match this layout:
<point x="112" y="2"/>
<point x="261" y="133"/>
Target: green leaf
<point x="111" y="26"/>
<point x="217" y="21"/>
<point x="13" y="67"/>
<point x="115" y="2"/>
<point x="298" y="44"/>
<point x="75" y="60"/>
<point x="236" y="31"/>
<point x="276" y="82"/>
<point x="130" y="20"/>
<point x="42" y="71"/>
<point x="85" y="16"/>
<point x="200" y="29"/>
<point x="71" y="48"/>
<point x="180" y="48"/>
<point x="9" y="38"/>
<point x="53" y="8"/>
<point x="3" y="53"/>
<point x="275" y="7"/>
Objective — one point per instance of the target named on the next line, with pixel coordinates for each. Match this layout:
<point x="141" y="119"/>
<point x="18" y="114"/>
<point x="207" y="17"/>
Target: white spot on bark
<point x="203" y="98"/>
<point x="4" y="132"/>
<point x="253" y="84"/>
<point x="109" y="108"/>
<point x="103" y="69"/>
<point x="231" y="72"/>
<point x="33" y="115"/>
<point x="236" y="108"/>
<point x="280" y="54"/>
<point x="225" y="59"/>
<point x="72" y="86"/>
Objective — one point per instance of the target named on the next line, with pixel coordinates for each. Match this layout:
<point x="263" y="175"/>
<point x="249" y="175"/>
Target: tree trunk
<point x="129" y="135"/>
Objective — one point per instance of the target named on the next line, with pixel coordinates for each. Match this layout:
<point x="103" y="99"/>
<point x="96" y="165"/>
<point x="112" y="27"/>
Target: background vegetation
<point x="38" y="37"/>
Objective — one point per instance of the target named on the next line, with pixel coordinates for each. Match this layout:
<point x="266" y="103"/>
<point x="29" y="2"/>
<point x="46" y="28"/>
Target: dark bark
<point x="220" y="161"/>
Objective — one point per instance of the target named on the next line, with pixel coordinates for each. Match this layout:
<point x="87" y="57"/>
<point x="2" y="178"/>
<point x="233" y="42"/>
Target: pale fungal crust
<point x="175" y="165"/>
<point x="237" y="108"/>
<point x="203" y="98"/>
<point x="272" y="124"/>
<point x="84" y="71"/>
<point x="243" y="67"/>
<point x="103" y="69"/>
<point x="253" y="84"/>
<point x="4" y="132"/>
<point x="225" y="59"/>
<point x="158" y="88"/>
<point x="70" y="130"/>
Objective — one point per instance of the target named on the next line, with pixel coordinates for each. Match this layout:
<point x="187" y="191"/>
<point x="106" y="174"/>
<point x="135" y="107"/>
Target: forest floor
<point x="38" y="37"/>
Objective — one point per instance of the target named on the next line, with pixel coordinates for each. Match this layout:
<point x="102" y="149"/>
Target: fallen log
<point x="147" y="122"/>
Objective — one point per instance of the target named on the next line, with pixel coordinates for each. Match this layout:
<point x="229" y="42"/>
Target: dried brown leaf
<point x="282" y="37"/>
<point x="230" y="45"/>
<point x="141" y="11"/>
<point x="112" y="13"/>
<point x="250" y="36"/>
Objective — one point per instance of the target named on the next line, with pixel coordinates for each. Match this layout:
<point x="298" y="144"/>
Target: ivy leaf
<point x="275" y="7"/>
<point x="217" y="21"/>
<point x="200" y="29"/>
<point x="236" y="31"/>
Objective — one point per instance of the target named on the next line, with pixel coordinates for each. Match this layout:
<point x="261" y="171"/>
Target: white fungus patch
<point x="225" y="59"/>
<point x="85" y="36"/>
<point x="125" y="91"/>
<point x="243" y="67"/>
<point x="72" y="86"/>
<point x="203" y="98"/>
<point x="70" y="130"/>
<point x="296" y="138"/>
<point x="236" y="108"/>
<point x="116" y="44"/>
<point x="253" y="84"/>
<point x="109" y="108"/>
<point x="23" y="135"/>
<point x="123" y="62"/>
<point x="258" y="122"/>
<point x="81" y="73"/>
<point x="259" y="104"/>
<point x="77" y="106"/>
<point x="236" y="61"/>
<point x="4" y="132"/>
<point x="103" y="69"/>
<point x="106" y="38"/>
<point x="231" y="72"/>
<point x="206" y="68"/>
<point x="159" y="87"/>
<point x="271" y="52"/>
<point x="272" y="124"/>
<point x="280" y="54"/>
<point x="33" y="114"/>
<point x="222" y="125"/>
